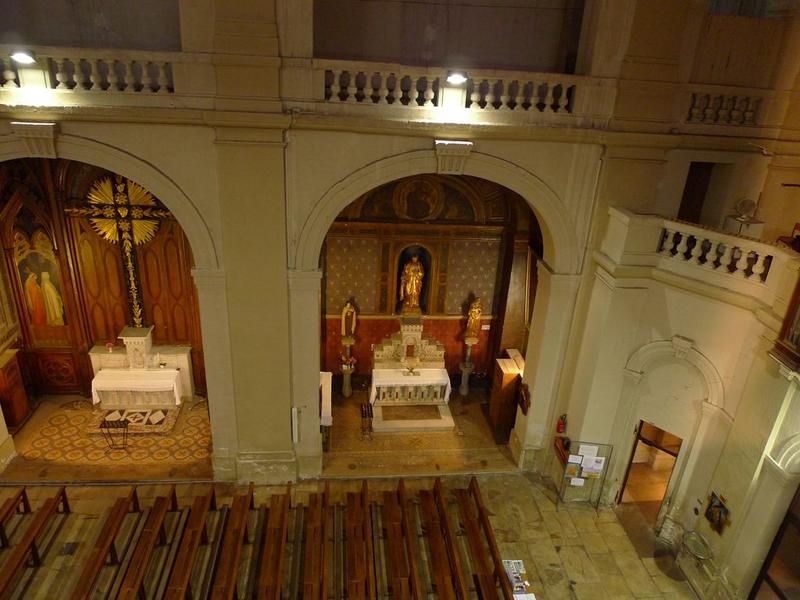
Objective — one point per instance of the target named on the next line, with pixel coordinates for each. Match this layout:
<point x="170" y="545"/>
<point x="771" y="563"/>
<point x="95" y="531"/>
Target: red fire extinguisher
<point x="561" y="425"/>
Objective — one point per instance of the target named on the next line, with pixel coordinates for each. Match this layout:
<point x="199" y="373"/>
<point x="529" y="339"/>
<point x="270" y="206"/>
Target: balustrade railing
<point x="715" y="251"/>
<point x="548" y="94"/>
<point x="81" y="73"/>
<point x="392" y="87"/>
<point x="9" y="78"/>
<point x="724" y="109"/>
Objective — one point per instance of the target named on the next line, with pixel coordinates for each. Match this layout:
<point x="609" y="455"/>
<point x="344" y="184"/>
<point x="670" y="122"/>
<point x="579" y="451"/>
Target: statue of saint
<point x="411" y="285"/>
<point x="348" y="320"/>
<point x="474" y="319"/>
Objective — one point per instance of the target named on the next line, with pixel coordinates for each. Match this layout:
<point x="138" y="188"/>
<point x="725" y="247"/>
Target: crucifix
<point x="121" y="211"/>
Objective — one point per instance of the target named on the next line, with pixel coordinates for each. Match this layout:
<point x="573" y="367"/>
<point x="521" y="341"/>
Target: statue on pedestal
<point x="349" y="318"/>
<point x="470" y="339"/>
<point x="411" y="285"/>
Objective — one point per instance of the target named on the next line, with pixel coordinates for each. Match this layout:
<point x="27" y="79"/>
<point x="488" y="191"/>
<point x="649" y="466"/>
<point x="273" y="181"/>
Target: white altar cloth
<point x="326" y="413"/>
<point x="137" y="380"/>
<point x="398" y="377"/>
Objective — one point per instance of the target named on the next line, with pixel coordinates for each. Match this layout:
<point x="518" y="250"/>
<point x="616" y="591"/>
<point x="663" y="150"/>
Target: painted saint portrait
<point x="40" y="278"/>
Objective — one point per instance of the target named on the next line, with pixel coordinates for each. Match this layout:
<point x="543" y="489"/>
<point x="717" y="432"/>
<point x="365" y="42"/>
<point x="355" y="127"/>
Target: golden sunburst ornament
<point x="123" y="200"/>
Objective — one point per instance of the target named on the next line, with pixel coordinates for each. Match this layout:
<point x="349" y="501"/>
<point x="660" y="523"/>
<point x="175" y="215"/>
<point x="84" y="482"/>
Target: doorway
<point x="649" y="470"/>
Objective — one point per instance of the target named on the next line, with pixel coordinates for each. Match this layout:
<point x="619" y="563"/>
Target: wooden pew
<point x="27" y="549"/>
<point x="315" y="573"/>
<point x="489" y="568"/>
<point x="227" y="566"/>
<point x="105" y="546"/>
<point x="195" y="533"/>
<point x="360" y="560"/>
<point x="270" y="572"/>
<point x="153" y="532"/>
<point x="18" y="503"/>
<point x="401" y="546"/>
<point x="453" y="554"/>
<point x="440" y="563"/>
<point x="486" y="526"/>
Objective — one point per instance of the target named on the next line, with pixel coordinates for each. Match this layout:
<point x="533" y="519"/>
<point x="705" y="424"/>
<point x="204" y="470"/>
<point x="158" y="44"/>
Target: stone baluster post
<point x="130" y="77"/>
<point x="383" y="89"/>
<point x="163" y="80"/>
<point x="738" y="267"/>
<point x="760" y="267"/>
<point x="475" y="96"/>
<point x="505" y="97"/>
<point x="62" y="76"/>
<point x="667" y="241"/>
<point x="428" y="91"/>
<point x="683" y="244"/>
<point x="549" y="99"/>
<point x="725" y="258"/>
<point x="116" y="80"/>
<point x="352" y="87"/>
<point x="82" y="80"/>
<point x="697" y="250"/>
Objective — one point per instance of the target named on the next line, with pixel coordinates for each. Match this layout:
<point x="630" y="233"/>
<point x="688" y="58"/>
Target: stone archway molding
<point x="117" y="160"/>
<point x="787" y="458"/>
<point x="681" y="348"/>
<point x="561" y="245"/>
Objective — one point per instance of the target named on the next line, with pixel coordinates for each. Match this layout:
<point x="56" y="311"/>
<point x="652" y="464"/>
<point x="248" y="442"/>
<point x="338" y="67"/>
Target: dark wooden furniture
<point x="27" y="549"/>
<point x="236" y="534"/>
<point x="194" y="534"/>
<point x="105" y="545"/>
<point x="360" y="576"/>
<point x="271" y="570"/>
<point x="503" y="399"/>
<point x="315" y="559"/>
<point x="152" y="533"/>
<point x="18" y="503"/>
<point x="13" y="397"/>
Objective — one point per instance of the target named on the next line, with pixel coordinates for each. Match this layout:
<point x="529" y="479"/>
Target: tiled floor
<point x="569" y="553"/>
<point x="468" y="449"/>
<point x="61" y="442"/>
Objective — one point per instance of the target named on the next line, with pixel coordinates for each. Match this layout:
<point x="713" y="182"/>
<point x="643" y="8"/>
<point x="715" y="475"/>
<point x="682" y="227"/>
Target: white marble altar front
<point x="423" y="387"/>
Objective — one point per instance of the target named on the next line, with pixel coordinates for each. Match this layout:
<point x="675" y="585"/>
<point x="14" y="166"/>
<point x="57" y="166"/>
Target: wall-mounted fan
<point x="745" y="209"/>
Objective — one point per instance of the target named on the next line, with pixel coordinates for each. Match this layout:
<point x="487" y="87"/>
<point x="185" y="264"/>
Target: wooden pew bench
<point x="360" y="576"/>
<point x="105" y="546"/>
<point x="18" y="503"/>
<point x="226" y="570"/>
<point x="27" y="548"/>
<point x="316" y="555"/>
<point x="153" y="533"/>
<point x="270" y="572"/>
<point x="195" y="534"/>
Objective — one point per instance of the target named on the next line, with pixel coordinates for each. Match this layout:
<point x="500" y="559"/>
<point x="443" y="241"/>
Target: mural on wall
<point x="35" y="258"/>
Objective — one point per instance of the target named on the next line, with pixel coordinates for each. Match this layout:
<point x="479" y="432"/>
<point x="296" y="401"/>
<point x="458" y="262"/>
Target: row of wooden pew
<point x="408" y="548"/>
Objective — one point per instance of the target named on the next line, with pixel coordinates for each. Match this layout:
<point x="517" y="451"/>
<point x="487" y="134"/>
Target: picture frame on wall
<point x="717" y="513"/>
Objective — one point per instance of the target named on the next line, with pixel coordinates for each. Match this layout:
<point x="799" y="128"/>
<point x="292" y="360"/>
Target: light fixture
<point x="23" y="57"/>
<point x="456" y="77"/>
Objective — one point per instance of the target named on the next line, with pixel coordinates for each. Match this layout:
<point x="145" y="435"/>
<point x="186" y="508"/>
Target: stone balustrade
<point x="107" y="74"/>
<point x="8" y="74"/>
<point x="542" y="92"/>
<point x="735" y="263"/>
<point x="724" y="108"/>
<point x="363" y="83"/>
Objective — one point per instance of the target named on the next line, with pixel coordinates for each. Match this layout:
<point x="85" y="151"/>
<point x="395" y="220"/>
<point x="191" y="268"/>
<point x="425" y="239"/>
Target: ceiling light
<point x="456" y="77"/>
<point x="23" y="57"/>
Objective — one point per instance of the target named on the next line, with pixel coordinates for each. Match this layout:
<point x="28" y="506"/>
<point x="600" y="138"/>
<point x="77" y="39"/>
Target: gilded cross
<point x="122" y="211"/>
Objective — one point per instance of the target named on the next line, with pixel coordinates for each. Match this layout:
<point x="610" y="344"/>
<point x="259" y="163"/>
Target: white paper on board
<point x="593" y="464"/>
<point x="574" y="458"/>
<point x="577" y="481"/>
<point x="587" y="450"/>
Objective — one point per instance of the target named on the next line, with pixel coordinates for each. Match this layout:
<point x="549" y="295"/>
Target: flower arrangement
<point x="110" y="346"/>
<point x="348" y="362"/>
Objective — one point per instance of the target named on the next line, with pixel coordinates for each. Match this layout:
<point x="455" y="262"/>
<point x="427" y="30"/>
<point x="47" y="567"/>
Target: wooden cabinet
<point x="13" y="398"/>
<point x="503" y="399"/>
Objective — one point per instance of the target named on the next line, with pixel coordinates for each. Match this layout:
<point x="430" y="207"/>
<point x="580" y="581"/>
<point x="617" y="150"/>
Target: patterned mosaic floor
<point x="57" y="443"/>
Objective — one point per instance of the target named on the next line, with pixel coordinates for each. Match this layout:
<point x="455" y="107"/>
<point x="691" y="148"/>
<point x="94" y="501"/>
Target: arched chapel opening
<point x="101" y="370"/>
<point x="427" y="280"/>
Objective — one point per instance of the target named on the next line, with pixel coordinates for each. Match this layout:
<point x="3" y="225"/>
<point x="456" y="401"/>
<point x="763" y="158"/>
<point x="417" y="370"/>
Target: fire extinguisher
<point x="561" y="425"/>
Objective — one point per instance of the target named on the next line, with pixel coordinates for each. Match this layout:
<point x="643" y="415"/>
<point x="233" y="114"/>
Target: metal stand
<point x="115" y="433"/>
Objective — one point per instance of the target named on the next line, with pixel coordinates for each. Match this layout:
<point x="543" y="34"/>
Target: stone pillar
<point x="550" y="326"/>
<point x="304" y="323"/>
<point x="212" y="299"/>
<point x="605" y="32"/>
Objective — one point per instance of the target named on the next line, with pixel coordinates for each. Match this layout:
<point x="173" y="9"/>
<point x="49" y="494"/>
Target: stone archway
<point x="557" y="277"/>
<point x="208" y="274"/>
<point x="705" y="423"/>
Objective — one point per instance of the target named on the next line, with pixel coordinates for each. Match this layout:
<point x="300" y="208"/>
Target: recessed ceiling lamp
<point x="23" y="57"/>
<point x="456" y="77"/>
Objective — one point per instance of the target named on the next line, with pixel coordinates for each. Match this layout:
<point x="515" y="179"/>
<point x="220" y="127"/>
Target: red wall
<point x="449" y="332"/>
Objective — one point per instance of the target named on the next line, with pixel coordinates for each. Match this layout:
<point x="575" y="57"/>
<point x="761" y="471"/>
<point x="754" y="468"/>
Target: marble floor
<point x="470" y="448"/>
<point x="570" y="553"/>
<point x="61" y="442"/>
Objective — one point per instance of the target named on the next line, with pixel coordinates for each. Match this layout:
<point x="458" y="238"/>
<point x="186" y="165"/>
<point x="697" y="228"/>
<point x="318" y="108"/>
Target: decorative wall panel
<point x="472" y="271"/>
<point x="353" y="271"/>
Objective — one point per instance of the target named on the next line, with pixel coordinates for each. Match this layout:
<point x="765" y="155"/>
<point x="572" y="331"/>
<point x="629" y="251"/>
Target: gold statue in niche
<point x="411" y="285"/>
<point x="474" y="319"/>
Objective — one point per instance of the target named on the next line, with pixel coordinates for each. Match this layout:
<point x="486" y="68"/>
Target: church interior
<point x="364" y="299"/>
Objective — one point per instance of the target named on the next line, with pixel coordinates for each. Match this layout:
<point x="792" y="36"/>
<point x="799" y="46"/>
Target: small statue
<point x="348" y="320"/>
<point x="474" y="319"/>
<point x="411" y="285"/>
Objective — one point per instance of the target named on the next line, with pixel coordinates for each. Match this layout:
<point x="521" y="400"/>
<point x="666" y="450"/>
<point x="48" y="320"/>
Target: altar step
<point x="432" y="544"/>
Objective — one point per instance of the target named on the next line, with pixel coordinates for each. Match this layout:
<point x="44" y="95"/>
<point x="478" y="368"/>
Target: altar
<point x="393" y="388"/>
<point x="140" y="374"/>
